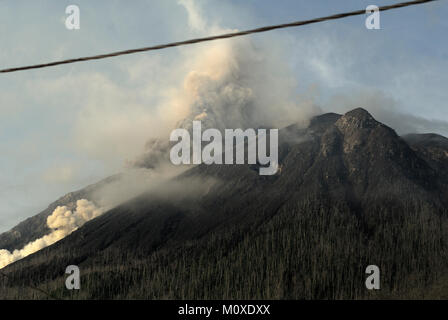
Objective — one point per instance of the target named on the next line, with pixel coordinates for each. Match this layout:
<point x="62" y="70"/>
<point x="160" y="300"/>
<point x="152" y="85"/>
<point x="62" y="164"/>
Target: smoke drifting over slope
<point x="62" y="222"/>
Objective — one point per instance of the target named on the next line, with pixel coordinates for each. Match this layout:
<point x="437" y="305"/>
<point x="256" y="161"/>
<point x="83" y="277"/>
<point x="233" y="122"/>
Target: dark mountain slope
<point x="36" y="226"/>
<point x="433" y="148"/>
<point x="350" y="193"/>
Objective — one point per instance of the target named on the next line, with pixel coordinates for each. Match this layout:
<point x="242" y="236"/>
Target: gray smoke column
<point x="231" y="84"/>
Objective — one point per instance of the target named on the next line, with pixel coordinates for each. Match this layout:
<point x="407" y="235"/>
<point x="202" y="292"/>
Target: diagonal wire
<point x="211" y="38"/>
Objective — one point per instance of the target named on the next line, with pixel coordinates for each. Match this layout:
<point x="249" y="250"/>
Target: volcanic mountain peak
<point x="358" y="118"/>
<point x="359" y="128"/>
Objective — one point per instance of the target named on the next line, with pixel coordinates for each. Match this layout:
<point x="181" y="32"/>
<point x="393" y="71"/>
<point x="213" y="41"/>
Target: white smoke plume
<point x="133" y="182"/>
<point x="62" y="222"/>
<point x="229" y="84"/>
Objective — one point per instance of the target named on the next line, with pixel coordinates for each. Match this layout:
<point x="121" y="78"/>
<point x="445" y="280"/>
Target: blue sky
<point x="65" y="127"/>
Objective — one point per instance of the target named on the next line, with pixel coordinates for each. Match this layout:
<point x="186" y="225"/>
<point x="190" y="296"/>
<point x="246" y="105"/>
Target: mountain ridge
<point x="346" y="182"/>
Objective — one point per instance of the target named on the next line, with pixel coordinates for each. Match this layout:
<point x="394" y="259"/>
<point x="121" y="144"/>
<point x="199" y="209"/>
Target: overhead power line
<point x="211" y="38"/>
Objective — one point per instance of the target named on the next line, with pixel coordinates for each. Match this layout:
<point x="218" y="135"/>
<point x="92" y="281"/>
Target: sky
<point x="65" y="127"/>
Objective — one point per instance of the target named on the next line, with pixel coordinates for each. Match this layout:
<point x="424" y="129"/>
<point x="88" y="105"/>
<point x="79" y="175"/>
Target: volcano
<point x="349" y="193"/>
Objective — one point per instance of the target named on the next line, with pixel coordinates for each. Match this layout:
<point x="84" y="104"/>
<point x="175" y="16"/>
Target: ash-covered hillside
<point x="350" y="192"/>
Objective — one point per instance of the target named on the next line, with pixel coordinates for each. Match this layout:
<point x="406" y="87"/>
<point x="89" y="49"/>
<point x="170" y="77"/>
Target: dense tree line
<point x="306" y="250"/>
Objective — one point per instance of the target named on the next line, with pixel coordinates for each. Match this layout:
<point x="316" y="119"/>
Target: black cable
<point x="211" y="38"/>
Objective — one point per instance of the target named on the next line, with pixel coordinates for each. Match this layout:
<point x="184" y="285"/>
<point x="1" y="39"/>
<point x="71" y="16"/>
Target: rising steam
<point x="230" y="84"/>
<point x="62" y="222"/>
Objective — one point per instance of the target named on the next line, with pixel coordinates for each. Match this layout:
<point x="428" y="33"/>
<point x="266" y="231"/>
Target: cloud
<point x="234" y="83"/>
<point x="109" y="121"/>
<point x="62" y="222"/>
